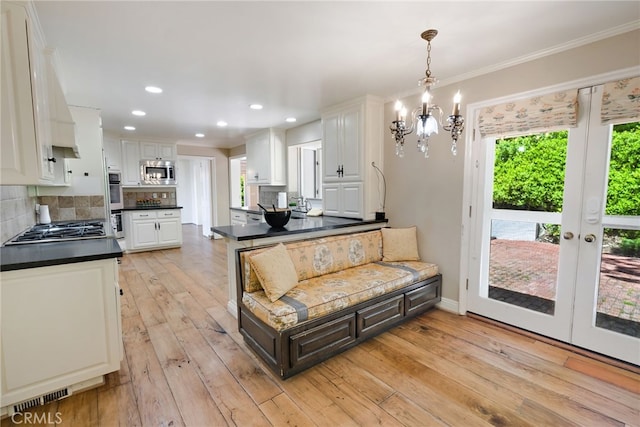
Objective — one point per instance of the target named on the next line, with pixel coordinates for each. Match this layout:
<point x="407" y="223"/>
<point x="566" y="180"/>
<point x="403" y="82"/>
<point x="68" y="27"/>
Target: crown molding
<point x="591" y="38"/>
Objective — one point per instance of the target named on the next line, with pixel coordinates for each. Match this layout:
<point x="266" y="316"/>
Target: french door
<point x="556" y="261"/>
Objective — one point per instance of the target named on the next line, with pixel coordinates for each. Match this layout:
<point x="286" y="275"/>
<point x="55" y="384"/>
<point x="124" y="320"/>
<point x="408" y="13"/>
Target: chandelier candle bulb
<point x="456" y="104"/>
<point x="403" y="114"/>
<point x="398" y="107"/>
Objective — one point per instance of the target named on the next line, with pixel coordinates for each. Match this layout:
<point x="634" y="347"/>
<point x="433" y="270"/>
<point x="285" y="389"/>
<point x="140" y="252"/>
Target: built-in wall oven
<point x="115" y="191"/>
<point x="116" y="223"/>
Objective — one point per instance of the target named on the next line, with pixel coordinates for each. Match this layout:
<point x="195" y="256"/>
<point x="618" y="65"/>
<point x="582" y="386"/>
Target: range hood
<point x="63" y="133"/>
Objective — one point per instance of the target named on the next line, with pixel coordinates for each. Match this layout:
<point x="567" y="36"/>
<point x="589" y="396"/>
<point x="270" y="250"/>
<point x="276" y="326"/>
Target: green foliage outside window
<point x="529" y="175"/>
<point x="241" y="190"/>
<point x="529" y="172"/>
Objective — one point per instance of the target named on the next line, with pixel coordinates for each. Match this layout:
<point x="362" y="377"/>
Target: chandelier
<point x="422" y="118"/>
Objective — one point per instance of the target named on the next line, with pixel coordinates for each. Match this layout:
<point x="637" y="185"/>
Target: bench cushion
<point x="321" y="295"/>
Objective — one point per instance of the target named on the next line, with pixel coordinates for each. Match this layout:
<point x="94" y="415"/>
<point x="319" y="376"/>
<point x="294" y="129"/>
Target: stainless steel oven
<point x="115" y="191"/>
<point x="116" y="224"/>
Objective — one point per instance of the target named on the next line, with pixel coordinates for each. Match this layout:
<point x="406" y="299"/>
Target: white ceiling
<point x="214" y="58"/>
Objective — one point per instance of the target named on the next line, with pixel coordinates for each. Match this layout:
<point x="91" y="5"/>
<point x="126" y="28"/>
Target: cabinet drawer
<point x="144" y="215"/>
<point x="315" y="343"/>
<point x="372" y="320"/>
<point x="168" y="214"/>
<point x="421" y="298"/>
<point x="254" y="218"/>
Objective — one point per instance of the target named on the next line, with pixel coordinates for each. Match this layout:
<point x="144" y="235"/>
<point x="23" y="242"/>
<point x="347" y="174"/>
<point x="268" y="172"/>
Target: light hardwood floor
<point x="186" y="364"/>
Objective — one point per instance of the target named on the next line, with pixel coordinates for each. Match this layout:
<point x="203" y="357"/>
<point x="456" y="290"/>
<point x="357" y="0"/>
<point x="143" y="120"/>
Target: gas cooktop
<point x="60" y="231"/>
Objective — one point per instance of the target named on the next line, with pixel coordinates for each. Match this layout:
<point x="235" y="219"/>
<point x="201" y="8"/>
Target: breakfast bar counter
<point x="250" y="235"/>
<point x="294" y="226"/>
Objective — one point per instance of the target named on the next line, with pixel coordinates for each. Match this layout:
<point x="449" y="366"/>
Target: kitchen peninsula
<point x="246" y="236"/>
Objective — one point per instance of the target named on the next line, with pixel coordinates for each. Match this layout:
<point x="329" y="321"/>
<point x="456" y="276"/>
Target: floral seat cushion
<point x="320" y="295"/>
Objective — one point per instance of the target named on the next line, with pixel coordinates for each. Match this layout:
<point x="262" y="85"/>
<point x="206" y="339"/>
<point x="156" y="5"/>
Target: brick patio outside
<point x="531" y="268"/>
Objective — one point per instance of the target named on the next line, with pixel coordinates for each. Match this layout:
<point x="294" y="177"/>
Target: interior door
<point x="546" y="268"/>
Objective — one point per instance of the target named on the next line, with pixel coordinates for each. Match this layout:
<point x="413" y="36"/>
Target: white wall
<point x="428" y="192"/>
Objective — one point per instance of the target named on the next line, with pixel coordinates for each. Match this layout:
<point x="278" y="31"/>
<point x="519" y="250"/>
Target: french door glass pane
<point x="529" y="173"/>
<point x="618" y="304"/>
<point x="522" y="266"/>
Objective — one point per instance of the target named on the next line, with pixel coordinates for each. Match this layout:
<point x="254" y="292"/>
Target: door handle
<point x="590" y="238"/>
<point x="567" y="235"/>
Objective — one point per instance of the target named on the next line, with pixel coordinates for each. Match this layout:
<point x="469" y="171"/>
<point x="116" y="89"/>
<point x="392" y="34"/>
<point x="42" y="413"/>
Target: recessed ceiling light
<point x="290" y="119"/>
<point x="221" y="123"/>
<point x="138" y="113"/>
<point x="200" y="135"/>
<point x="255" y="106"/>
<point x="153" y="89"/>
<point x="130" y="128"/>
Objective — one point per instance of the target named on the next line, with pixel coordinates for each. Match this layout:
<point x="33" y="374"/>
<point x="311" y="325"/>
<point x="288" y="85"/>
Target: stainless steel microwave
<point x="158" y="172"/>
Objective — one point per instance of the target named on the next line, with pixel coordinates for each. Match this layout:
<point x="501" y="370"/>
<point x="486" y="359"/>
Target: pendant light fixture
<point x="422" y="118"/>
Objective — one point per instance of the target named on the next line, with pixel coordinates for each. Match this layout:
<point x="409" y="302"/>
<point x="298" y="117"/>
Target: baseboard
<point x="449" y="305"/>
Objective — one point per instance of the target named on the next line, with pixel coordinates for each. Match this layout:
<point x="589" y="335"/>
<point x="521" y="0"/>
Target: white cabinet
<point x="113" y="154"/>
<point x="343" y="199"/>
<point x="61" y="328"/>
<point x="26" y="129"/>
<point x="352" y="135"/>
<point x="238" y="217"/>
<point x="153" y="229"/>
<point x="342" y="144"/>
<point x="35" y="117"/>
<point x="130" y="163"/>
<point x="266" y="157"/>
<point x="157" y="151"/>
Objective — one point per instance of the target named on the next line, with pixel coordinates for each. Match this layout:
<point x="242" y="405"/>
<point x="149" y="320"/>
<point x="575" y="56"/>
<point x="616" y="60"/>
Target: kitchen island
<point x="257" y="234"/>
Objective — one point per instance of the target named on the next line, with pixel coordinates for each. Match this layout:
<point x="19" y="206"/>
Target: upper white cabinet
<point x="112" y="154"/>
<point x="27" y="156"/>
<point x="266" y="158"/>
<point x="130" y="163"/>
<point x="351" y="140"/>
<point x="157" y="151"/>
<point x="342" y="143"/>
<point x="34" y="115"/>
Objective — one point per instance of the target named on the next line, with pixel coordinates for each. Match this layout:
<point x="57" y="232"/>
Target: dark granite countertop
<point x="294" y="226"/>
<point x="18" y="257"/>
<point x="150" y="208"/>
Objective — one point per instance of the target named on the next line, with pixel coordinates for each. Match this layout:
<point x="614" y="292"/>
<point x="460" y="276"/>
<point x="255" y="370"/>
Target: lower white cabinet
<point x="152" y="229"/>
<point x="61" y="329"/>
<point x="343" y="199"/>
<point x="238" y="217"/>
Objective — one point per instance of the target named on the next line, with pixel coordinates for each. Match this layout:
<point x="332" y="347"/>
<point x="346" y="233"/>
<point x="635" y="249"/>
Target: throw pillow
<point x="399" y="244"/>
<point x="275" y="271"/>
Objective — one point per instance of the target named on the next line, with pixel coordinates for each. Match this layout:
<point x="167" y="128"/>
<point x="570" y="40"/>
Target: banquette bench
<point x="302" y="302"/>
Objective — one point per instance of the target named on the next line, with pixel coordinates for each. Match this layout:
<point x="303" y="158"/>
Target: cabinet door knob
<point x="51" y="159"/>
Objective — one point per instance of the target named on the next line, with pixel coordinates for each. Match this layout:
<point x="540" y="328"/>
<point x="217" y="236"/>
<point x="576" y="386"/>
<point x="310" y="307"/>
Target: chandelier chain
<point x="428" y="72"/>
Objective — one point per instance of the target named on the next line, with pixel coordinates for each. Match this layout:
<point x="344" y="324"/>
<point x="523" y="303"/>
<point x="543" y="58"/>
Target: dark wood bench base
<point x="302" y="346"/>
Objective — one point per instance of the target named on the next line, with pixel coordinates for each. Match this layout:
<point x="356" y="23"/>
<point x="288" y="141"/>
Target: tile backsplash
<point x="17" y="210"/>
<point x="69" y="208"/>
<point x="161" y="196"/>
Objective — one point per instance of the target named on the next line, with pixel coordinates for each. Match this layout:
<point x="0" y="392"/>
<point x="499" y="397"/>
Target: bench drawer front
<point x="422" y="298"/>
<point x="372" y="320"/>
<point x="316" y="342"/>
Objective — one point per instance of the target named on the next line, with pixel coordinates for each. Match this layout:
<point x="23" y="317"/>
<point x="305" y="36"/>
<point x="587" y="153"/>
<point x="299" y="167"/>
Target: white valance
<point x="621" y="101"/>
<point x="544" y="113"/>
